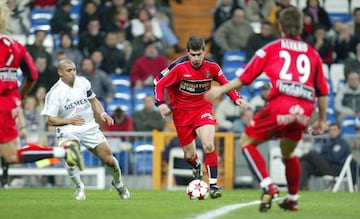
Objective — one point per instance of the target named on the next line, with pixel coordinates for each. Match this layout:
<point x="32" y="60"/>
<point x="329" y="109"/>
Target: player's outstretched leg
<point x="74" y="174"/>
<point x="73" y="155"/>
<point x="268" y="194"/>
<point x="115" y="170"/>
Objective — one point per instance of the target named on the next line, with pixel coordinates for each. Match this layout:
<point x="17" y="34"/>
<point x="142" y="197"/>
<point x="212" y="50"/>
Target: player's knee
<point x="208" y="147"/>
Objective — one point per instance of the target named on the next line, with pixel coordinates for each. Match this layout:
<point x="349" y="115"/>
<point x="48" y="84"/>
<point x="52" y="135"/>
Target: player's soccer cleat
<point x="288" y="205"/>
<point x="267" y="197"/>
<point x="80" y="193"/>
<point x="73" y="155"/>
<point x="215" y="192"/>
<point x="197" y="172"/>
<point x="123" y="191"/>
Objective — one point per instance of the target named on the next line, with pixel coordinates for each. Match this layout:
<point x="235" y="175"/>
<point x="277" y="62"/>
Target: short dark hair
<point x="291" y="21"/>
<point x="335" y="124"/>
<point x="195" y="43"/>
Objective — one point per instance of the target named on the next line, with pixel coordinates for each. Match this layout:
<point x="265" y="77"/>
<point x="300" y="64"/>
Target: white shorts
<point x="89" y="136"/>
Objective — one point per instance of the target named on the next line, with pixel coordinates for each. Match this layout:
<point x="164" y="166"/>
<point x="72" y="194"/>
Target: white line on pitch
<point x="224" y="210"/>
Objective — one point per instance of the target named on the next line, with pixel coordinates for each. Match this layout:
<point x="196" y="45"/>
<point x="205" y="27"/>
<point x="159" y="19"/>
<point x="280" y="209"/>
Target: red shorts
<point x="186" y="123"/>
<point x="9" y="108"/>
<point x="282" y="117"/>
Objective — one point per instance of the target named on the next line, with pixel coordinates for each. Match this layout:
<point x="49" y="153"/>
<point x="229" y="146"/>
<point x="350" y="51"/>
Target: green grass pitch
<point x="58" y="203"/>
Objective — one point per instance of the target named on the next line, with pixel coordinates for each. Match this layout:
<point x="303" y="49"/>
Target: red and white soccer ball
<point x="197" y="190"/>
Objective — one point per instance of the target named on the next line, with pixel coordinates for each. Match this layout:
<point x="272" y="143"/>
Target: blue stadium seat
<point x="349" y="124"/>
<point x="238" y="57"/>
<point x="257" y="84"/>
<point x="121" y="80"/>
<point x="139" y="95"/>
<point x="90" y="159"/>
<point x="125" y="105"/>
<point x="143" y="151"/>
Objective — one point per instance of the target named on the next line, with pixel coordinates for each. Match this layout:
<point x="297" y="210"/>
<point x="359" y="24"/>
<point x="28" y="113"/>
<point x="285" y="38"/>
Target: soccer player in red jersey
<point x="295" y="72"/>
<point x="13" y="55"/>
<point x="186" y="80"/>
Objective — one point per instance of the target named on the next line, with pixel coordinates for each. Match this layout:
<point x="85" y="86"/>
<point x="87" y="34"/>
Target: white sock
<point x="265" y="183"/>
<point x="74" y="173"/>
<point x="59" y="152"/>
<point x="292" y="197"/>
<point x="116" y="173"/>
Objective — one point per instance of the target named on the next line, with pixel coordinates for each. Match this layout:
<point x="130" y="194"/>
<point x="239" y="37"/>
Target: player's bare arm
<point x="217" y="91"/>
<point x="164" y="110"/>
<point x="99" y="109"/>
<point x="320" y="125"/>
<point x="241" y="102"/>
<point x="75" y="120"/>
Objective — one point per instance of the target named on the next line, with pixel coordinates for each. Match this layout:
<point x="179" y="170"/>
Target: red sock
<point x="33" y="152"/>
<point x="293" y="174"/>
<point x="194" y="162"/>
<point x="256" y="162"/>
<point x="211" y="165"/>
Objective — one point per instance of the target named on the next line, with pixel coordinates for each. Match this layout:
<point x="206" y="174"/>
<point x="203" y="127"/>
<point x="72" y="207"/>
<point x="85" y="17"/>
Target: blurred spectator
<point x="308" y="26"/>
<point x="89" y="11"/>
<point x="114" y="58"/>
<point x="275" y="13"/>
<point x="354" y="24"/>
<point x="40" y="94"/>
<point x="120" y="21"/>
<point x="163" y="14"/>
<point x="67" y="45"/>
<point x="92" y="38"/>
<point x="259" y="10"/>
<point x="101" y="83"/>
<point x="258" y="40"/>
<point x="122" y="123"/>
<point x="347" y="99"/>
<point x="245" y="118"/>
<point x="352" y="63"/>
<point x="19" y="21"/>
<point x="43" y="4"/>
<point x="33" y="120"/>
<point x="226" y="113"/>
<point x="139" y="44"/>
<point x="223" y="12"/>
<point x="111" y="8"/>
<point x="160" y="29"/>
<point x="147" y="67"/>
<point x="330" y="160"/>
<point x="345" y="44"/>
<point x="37" y="48"/>
<point x="319" y="14"/>
<point x="148" y="118"/>
<point x="124" y="44"/>
<point x="47" y="75"/>
<point x="98" y="57"/>
<point x="322" y="44"/>
<point x="61" y="22"/>
<point x="258" y="102"/>
<point x="59" y="55"/>
<point x="234" y="33"/>
<point x="179" y="163"/>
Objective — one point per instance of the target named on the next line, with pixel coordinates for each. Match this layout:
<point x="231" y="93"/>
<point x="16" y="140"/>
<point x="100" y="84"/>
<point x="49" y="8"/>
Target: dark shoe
<point x="267" y="197"/>
<point x="197" y="172"/>
<point x="215" y="192"/>
<point x="288" y="205"/>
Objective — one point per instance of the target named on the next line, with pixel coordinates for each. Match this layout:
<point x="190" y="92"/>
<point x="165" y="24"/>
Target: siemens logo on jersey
<point x="75" y="104"/>
<point x="296" y="90"/>
<point x="195" y="87"/>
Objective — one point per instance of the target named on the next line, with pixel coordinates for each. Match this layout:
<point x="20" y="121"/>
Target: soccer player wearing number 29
<point x="186" y="81"/>
<point x="295" y="72"/>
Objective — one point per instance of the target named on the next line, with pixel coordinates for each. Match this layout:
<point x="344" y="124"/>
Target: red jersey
<point x="293" y="67"/>
<point x="186" y="85"/>
<point x="13" y="56"/>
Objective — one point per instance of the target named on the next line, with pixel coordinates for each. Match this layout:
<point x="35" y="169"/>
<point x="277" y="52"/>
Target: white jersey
<point x="64" y="101"/>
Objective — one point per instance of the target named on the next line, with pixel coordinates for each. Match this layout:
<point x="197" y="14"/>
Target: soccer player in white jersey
<point x="70" y="106"/>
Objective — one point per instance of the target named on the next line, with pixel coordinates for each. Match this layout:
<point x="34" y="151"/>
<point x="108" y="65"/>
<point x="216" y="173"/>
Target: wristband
<point x="104" y="113"/>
